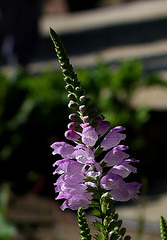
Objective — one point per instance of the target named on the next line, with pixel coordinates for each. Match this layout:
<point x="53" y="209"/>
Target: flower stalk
<point x="93" y="167"/>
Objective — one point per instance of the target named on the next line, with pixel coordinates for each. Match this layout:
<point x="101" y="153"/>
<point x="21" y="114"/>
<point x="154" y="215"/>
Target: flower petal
<point x="113" y="138"/>
<point x="89" y="136"/>
<point x="62" y="148"/>
<point x="115" y="155"/>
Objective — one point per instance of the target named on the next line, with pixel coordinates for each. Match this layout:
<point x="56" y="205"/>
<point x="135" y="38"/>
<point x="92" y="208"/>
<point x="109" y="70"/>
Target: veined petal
<point x="89" y="136"/>
<point x="71" y="135"/>
<point x="123" y="168"/>
<point x="92" y="169"/>
<point x="115" y="155"/>
<point x="83" y="154"/>
<point x="103" y="128"/>
<point x="126" y="191"/>
<point x="111" y="181"/>
<point x="62" y="148"/>
<point x="113" y="138"/>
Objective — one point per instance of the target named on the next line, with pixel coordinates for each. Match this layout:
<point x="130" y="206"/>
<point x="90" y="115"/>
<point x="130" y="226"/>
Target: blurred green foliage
<point x="34" y="113"/>
<point x="113" y="91"/>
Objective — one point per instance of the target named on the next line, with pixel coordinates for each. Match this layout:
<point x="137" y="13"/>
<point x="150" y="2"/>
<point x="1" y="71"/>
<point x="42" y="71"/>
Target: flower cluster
<point x="79" y="165"/>
<point x="81" y="172"/>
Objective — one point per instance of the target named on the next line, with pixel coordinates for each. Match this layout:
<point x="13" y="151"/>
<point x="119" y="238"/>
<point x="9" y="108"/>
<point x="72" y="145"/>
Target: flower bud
<point x="92" y="112"/>
<point x="73" y="105"/>
<point x="79" y="90"/>
<point x="82" y="99"/>
<point x="86" y="119"/>
<point x="69" y="88"/>
<point x="97" y="121"/>
<point x="74" y="126"/>
<point x="71" y="135"/>
<point x="103" y="128"/>
<point x="65" y="72"/>
<point x="68" y="80"/>
<point x="74" y="117"/>
<point x="82" y="108"/>
<point x="71" y="96"/>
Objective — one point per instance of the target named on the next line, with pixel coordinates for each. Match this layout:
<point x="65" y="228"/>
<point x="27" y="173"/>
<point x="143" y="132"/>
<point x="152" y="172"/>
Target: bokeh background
<point x="119" y="51"/>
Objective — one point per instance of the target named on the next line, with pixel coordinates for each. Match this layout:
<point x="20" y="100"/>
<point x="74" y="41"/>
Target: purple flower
<point x="73" y="126"/>
<point x="97" y="121"/>
<point x="82" y="154"/>
<point x="115" y="155"/>
<point x="103" y="128"/>
<point x="71" y="135"/>
<point x="133" y="189"/>
<point x="125" y="191"/>
<point x="111" y="181"/>
<point x="113" y="138"/>
<point x="62" y="148"/>
<point x="119" y="190"/>
<point x="123" y="168"/>
<point x="78" y="164"/>
<point x="70" y="185"/>
<point x="89" y="135"/>
<point x="92" y="169"/>
<point x="74" y="201"/>
<point x="67" y="165"/>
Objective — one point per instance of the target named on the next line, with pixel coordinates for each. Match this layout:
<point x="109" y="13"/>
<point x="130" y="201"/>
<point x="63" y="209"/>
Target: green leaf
<point x="96" y="213"/>
<point x="95" y="205"/>
<point x="99" y="237"/>
<point x="98" y="226"/>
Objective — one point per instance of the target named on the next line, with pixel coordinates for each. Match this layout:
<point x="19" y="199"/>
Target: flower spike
<point x="78" y="101"/>
<point x="93" y="168"/>
<point x="163" y="228"/>
<point x="82" y="223"/>
<point x="67" y="69"/>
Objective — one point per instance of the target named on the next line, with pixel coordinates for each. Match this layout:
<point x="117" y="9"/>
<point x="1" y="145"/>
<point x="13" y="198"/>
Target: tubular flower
<point x="118" y="189"/>
<point x="89" y="135"/>
<point x="115" y="155"/>
<point x="113" y="138"/>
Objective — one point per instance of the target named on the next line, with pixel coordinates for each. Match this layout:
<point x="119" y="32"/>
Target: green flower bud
<point x="73" y="105"/>
<point x="79" y="90"/>
<point x="71" y="96"/>
<point x="65" y="72"/>
<point x="82" y="99"/>
<point x="68" y="80"/>
<point x="69" y="88"/>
